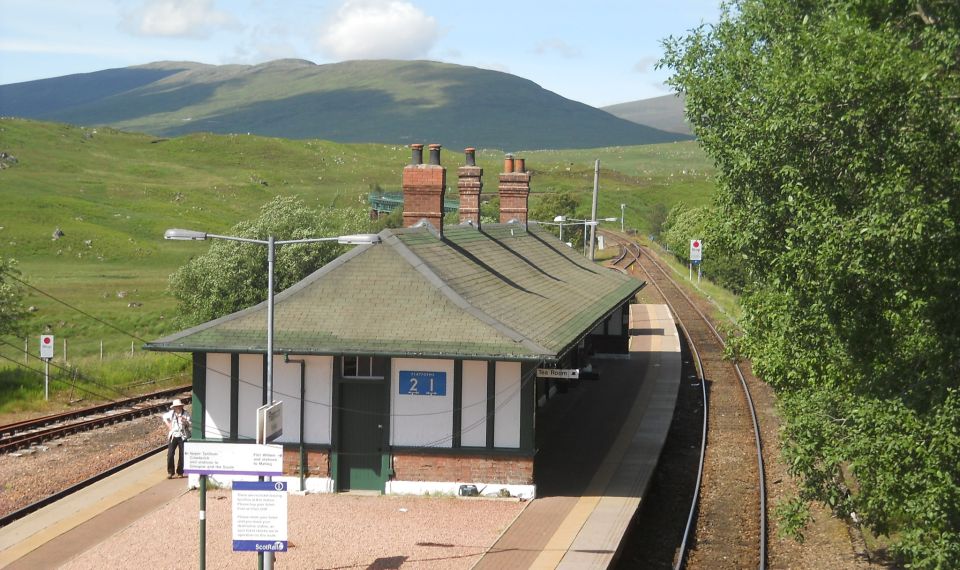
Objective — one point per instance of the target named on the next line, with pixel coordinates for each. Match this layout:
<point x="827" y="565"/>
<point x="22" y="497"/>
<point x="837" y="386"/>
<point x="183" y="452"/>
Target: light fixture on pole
<point x="271" y="243"/>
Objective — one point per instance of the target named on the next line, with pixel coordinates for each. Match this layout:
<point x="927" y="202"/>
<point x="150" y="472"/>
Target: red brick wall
<point x="423" y="189"/>
<point x="318" y="462"/>
<point x="514" y="193"/>
<point x="469" y="185"/>
<point x="505" y="470"/>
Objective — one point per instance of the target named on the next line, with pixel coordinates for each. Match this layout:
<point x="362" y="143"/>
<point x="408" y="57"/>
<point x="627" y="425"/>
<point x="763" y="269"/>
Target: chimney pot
<point x="435" y="154"/>
<point x="469" y="186"/>
<point x="417" y="155"/>
<point x="514" y="191"/>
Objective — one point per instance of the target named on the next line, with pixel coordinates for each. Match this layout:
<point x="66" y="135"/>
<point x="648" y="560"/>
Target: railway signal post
<point x="46" y="353"/>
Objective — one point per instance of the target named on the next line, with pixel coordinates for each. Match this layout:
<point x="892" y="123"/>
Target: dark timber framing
<point x="199" y="394"/>
<point x="457" y="403"/>
<point x="234" y="397"/>
<point x="491" y="401"/>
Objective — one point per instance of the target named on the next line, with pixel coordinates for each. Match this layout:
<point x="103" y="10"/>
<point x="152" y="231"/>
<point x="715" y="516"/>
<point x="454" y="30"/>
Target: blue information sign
<point x="417" y="383"/>
<point x="260" y="516"/>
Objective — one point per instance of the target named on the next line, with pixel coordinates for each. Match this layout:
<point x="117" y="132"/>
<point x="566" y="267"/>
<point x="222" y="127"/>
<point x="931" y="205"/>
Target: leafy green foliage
<point x="547" y="207"/>
<point x="232" y="275"/>
<point x="12" y="310"/>
<point x="835" y="127"/>
<point x="720" y="262"/>
<point x="793" y="514"/>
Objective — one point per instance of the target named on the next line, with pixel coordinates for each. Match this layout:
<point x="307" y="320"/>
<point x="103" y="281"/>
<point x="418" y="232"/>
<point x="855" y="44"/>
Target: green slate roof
<point x="502" y="293"/>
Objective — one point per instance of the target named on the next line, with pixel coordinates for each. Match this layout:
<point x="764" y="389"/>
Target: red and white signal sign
<point x="696" y="250"/>
<point x="46" y="346"/>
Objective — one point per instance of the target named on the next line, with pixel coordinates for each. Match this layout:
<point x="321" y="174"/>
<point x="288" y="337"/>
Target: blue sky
<point x="598" y="52"/>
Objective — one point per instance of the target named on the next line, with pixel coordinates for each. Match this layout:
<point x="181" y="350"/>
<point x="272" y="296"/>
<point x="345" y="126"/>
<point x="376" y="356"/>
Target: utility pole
<point x="622" y="208"/>
<point x="593" y="211"/>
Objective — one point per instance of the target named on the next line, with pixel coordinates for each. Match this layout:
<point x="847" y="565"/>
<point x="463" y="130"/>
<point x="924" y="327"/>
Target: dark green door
<point x="361" y="432"/>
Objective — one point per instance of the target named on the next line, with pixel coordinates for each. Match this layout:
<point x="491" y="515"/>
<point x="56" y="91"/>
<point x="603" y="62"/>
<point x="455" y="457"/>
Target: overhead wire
<point x="42" y="375"/>
<point x="227" y="374"/>
<point x="69" y="370"/>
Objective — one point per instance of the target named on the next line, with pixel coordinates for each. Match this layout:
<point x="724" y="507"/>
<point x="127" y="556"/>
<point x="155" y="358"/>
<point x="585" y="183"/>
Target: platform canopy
<point x="505" y="292"/>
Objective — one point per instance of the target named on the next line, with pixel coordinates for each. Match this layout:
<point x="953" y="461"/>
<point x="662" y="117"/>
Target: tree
<point x="835" y="126"/>
<point x="548" y="206"/>
<point x="11" y="297"/>
<point x="231" y="275"/>
<point x="719" y="264"/>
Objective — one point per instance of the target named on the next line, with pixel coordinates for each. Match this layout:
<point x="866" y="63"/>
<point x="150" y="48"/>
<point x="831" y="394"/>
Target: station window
<point x="357" y="367"/>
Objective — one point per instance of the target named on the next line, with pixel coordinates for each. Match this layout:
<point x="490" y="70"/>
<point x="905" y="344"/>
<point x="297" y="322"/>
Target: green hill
<point x="664" y="113"/>
<point x="385" y="101"/>
<point x="113" y="194"/>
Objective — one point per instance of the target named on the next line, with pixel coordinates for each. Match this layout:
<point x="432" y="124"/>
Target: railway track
<point x="23" y="434"/>
<point x="726" y="525"/>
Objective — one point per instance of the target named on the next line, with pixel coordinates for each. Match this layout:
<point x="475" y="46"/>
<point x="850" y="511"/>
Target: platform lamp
<point x="271" y="243"/>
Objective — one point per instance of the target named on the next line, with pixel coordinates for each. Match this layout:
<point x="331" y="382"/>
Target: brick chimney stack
<point x="514" y="190"/>
<point x="423" y="188"/>
<point x="470" y="185"/>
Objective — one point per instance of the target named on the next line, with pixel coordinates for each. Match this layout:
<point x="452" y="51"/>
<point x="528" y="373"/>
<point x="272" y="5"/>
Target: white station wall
<point x="250" y="395"/>
<point x="216" y="410"/>
<point x="474" y="417"/>
<point x="286" y="388"/>
<point x="425" y="420"/>
<point x="506" y="422"/>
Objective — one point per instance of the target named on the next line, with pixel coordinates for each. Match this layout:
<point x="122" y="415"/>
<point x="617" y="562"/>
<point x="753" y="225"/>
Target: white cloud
<point x="559" y="47"/>
<point x="645" y="64"/>
<point x="372" y="29"/>
<point x="176" y="18"/>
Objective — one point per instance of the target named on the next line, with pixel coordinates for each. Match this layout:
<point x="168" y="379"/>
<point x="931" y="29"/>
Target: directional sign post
<point x="561" y="373"/>
<point x="210" y="458"/>
<point x="269" y="422"/>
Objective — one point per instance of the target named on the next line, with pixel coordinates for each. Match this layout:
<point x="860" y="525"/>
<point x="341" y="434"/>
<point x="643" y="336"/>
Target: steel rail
<point x="35" y="423"/>
<point x="756" y="428"/>
<point x="21" y="438"/>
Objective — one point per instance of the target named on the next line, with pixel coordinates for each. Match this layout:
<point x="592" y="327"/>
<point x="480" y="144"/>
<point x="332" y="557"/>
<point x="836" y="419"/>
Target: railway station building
<point x="411" y="365"/>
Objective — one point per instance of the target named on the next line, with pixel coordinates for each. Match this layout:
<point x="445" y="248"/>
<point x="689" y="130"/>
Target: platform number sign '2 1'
<point x="419" y="383"/>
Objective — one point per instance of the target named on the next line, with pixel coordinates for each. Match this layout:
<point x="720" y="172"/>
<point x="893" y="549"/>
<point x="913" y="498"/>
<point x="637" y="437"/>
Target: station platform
<point x="598" y="446"/>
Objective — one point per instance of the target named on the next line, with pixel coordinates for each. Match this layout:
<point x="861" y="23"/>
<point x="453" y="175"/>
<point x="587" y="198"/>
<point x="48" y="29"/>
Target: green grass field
<point x="113" y="194"/>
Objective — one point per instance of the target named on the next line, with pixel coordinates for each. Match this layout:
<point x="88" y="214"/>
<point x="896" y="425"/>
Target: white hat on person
<point x="176" y="403"/>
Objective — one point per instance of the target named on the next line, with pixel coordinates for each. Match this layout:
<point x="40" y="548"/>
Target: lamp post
<point x="271" y="243"/>
<point x="591" y="224"/>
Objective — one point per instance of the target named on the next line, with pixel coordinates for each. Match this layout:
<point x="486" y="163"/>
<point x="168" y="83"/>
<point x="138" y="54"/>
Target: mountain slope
<point x="358" y="101"/>
<point x="664" y="113"/>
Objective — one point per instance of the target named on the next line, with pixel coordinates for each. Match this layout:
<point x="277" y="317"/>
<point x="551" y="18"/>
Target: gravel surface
<point x="325" y="532"/>
<point x="35" y="473"/>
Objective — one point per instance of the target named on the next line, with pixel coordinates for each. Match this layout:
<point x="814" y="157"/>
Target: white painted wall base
<point x="453" y="488"/>
<point x="313" y="484"/>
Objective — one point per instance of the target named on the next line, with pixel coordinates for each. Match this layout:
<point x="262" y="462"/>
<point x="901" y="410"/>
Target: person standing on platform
<point x="178" y="426"/>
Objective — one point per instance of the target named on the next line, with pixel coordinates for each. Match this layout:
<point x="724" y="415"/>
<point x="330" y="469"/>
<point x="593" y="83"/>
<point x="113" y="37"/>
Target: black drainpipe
<point x="303" y="395"/>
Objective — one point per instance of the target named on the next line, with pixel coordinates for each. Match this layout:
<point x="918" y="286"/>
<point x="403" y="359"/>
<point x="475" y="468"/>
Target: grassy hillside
<point x="397" y="102"/>
<point x="665" y="113"/>
<point x="114" y="193"/>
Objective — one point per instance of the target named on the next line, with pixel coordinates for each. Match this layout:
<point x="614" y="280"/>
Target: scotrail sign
<point x="260" y="516"/>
